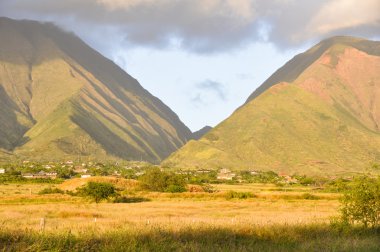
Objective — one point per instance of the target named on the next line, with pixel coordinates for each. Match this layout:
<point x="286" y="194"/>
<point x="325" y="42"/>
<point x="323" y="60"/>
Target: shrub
<point x="309" y="196"/>
<point x="239" y="195"/>
<point x="175" y="189"/>
<point x="209" y="188"/>
<point x="124" y="199"/>
<point x="97" y="191"/>
<point x="160" y="181"/>
<point x="50" y="190"/>
<point x="361" y="202"/>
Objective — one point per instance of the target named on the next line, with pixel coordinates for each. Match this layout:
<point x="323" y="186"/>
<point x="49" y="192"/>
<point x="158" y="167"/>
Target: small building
<point x="79" y="169"/>
<point x="28" y="175"/>
<point x="203" y="171"/>
<point x="140" y="173"/>
<point x="225" y="170"/>
<point x="85" y="176"/>
<point x="51" y="174"/>
<point x="2" y="170"/>
<point x="226" y="176"/>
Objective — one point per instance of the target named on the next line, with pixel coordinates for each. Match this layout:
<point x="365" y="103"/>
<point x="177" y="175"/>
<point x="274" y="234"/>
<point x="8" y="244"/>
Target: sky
<point x="203" y="58"/>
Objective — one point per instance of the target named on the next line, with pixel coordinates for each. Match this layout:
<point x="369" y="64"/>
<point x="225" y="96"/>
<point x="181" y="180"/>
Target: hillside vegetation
<point x="325" y="121"/>
<point x="61" y="99"/>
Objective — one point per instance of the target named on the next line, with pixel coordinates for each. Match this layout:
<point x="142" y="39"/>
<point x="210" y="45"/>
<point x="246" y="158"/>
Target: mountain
<point x="318" y="114"/>
<point x="200" y="133"/>
<point x="59" y="99"/>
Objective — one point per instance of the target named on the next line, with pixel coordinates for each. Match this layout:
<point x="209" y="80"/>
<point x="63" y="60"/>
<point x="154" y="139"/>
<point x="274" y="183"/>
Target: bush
<point x="50" y="190"/>
<point x="239" y="195"/>
<point x="98" y="191"/>
<point x="361" y="202"/>
<point x="209" y="188"/>
<point x="175" y="189"/>
<point x="309" y="196"/>
<point x="159" y="181"/>
<point x="124" y="199"/>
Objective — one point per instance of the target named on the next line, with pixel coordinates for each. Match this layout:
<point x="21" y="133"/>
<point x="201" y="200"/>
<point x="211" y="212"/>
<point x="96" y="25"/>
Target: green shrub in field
<point x="98" y="191"/>
<point x="161" y="181"/>
<point x="239" y="195"/>
<point x="124" y="199"/>
<point x="10" y="178"/>
<point x="50" y="190"/>
<point x="309" y="196"/>
<point x="175" y="189"/>
<point x="361" y="202"/>
<point x="209" y="188"/>
<point x="338" y="185"/>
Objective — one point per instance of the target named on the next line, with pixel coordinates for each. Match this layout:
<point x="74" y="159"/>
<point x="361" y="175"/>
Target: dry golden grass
<point x="120" y="183"/>
<point x="176" y="222"/>
<point x="63" y="212"/>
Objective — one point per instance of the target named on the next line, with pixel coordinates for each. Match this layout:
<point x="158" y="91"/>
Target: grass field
<point x="270" y="221"/>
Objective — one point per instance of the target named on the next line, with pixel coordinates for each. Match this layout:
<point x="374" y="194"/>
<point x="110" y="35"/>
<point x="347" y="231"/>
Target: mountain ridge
<point x="325" y="121"/>
<point x="294" y="67"/>
<point x="48" y="75"/>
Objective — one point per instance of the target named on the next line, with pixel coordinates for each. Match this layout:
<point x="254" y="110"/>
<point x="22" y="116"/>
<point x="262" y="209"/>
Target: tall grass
<point x="196" y="238"/>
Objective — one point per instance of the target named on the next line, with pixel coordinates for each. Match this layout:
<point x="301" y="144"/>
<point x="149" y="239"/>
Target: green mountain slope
<point x="324" y="121"/>
<point x="61" y="99"/>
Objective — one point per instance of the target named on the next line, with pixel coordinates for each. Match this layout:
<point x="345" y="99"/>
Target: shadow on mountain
<point x="11" y="133"/>
<point x="100" y="133"/>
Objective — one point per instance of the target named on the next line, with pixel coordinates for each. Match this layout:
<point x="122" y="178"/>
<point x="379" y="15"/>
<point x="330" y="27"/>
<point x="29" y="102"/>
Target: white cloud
<point x="343" y="14"/>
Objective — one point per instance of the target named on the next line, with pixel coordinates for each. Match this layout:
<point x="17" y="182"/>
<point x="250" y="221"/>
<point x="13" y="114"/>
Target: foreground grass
<point x="268" y="221"/>
<point x="196" y="238"/>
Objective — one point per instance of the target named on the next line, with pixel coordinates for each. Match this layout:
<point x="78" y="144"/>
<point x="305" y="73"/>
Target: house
<point x="41" y="174"/>
<point x="288" y="179"/>
<point x="2" y="170"/>
<point x="203" y="171"/>
<point x="85" y="176"/>
<point x="225" y="174"/>
<point x="224" y="170"/>
<point x="27" y="175"/>
<point x="51" y="174"/>
<point x="79" y="169"/>
<point x="140" y="173"/>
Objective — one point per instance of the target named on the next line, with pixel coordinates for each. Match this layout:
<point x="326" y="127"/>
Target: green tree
<point x="361" y="202"/>
<point x="161" y="181"/>
<point x="98" y="191"/>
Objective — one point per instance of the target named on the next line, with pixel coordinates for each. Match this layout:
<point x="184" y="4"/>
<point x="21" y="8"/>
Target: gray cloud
<point x="207" y="92"/>
<point x="203" y="26"/>
<point x="213" y="87"/>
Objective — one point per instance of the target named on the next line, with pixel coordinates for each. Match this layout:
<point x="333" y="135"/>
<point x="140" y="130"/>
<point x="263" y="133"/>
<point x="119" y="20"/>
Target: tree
<point x="361" y="202"/>
<point x="160" y="181"/>
<point x="98" y="191"/>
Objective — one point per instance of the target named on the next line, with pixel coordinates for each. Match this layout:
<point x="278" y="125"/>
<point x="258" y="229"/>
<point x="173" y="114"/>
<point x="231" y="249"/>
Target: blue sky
<point x="203" y="89"/>
<point x="203" y="58"/>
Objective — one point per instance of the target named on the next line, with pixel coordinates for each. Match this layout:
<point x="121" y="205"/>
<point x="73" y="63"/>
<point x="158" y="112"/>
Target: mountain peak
<point x="317" y="115"/>
<point x="293" y="68"/>
<point x="60" y="98"/>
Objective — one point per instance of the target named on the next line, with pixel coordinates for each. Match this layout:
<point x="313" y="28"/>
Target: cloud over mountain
<point x="204" y="26"/>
